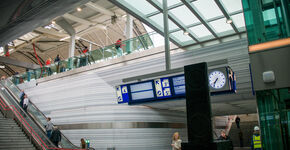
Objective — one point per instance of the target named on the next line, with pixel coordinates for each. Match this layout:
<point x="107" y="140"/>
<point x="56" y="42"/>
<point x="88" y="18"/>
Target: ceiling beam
<point x="157" y="5"/>
<point x="18" y="63"/>
<point x="99" y="8"/>
<point x="51" y="32"/>
<point x="190" y="6"/>
<point x="226" y="14"/>
<point x="77" y="19"/>
<point x="137" y="14"/>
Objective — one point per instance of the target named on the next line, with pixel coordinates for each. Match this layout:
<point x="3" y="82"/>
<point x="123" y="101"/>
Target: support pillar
<point x="166" y="35"/>
<point x="129" y="33"/>
<point x="71" y="51"/>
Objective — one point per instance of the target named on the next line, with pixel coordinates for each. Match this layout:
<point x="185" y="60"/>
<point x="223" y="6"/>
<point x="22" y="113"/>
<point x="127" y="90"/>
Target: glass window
<point x="158" y="19"/>
<point x="220" y="26"/>
<point x="184" y="15"/>
<point x="232" y="5"/>
<point x="170" y="2"/>
<point x="201" y="32"/>
<point x="142" y="5"/>
<point x="207" y="8"/>
<point x="239" y="21"/>
<point x="181" y="37"/>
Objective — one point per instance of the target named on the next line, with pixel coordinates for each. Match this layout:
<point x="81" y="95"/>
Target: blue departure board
<point x="172" y="87"/>
<point x="179" y="85"/>
<point x="122" y="94"/>
<point x="142" y="91"/>
<point x="162" y="88"/>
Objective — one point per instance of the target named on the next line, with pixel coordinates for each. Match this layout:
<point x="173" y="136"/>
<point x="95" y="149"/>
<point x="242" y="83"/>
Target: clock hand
<point x="215" y="81"/>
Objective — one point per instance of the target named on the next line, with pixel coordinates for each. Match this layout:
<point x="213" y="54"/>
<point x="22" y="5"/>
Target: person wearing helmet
<point x="256" y="143"/>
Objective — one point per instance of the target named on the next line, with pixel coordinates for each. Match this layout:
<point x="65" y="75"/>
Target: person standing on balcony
<point x="47" y="64"/>
<point x="56" y="61"/>
<point x="118" y="46"/>
<point x="55" y="136"/>
<point x="25" y="103"/>
<point x="48" y="127"/>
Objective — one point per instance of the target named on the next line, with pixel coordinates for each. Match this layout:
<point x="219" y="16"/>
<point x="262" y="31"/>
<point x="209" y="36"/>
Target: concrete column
<point x="129" y="33"/>
<point x="166" y="35"/>
<point x="71" y="51"/>
<point x="72" y="45"/>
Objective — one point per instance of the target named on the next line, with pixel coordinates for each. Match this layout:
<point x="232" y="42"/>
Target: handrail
<point x="95" y="55"/>
<point x="32" y="132"/>
<point x="33" y="105"/>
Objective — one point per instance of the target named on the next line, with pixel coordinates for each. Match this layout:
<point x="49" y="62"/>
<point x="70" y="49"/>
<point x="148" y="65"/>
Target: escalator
<point x="34" y="117"/>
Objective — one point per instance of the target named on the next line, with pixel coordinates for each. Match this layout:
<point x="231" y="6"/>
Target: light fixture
<point x="79" y="9"/>
<point x="229" y="21"/>
<point x="124" y="16"/>
<point x="2" y="66"/>
<point x="53" y="22"/>
<point x="185" y="33"/>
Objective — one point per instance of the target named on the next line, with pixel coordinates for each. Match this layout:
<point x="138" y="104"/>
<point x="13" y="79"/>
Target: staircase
<point x="12" y="137"/>
<point x="247" y="124"/>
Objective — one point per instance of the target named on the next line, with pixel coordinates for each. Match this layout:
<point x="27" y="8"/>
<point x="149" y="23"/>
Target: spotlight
<point x="185" y="33"/>
<point x="79" y="9"/>
<point x="229" y="21"/>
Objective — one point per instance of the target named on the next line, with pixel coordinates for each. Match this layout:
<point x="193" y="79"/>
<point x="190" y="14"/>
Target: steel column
<point x="166" y="35"/>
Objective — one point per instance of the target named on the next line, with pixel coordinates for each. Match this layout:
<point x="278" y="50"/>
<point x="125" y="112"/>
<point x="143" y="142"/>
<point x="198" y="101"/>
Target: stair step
<point x="12" y="145"/>
<point x="17" y="148"/>
<point x="12" y="137"/>
<point x="15" y="143"/>
<point x="14" y="140"/>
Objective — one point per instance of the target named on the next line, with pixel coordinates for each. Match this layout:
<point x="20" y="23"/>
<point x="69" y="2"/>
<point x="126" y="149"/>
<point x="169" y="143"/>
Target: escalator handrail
<point x="16" y="97"/>
<point x="22" y="120"/>
<point x="38" y="139"/>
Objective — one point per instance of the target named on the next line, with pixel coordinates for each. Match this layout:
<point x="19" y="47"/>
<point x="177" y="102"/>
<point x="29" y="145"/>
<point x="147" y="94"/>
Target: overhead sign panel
<point x="221" y="81"/>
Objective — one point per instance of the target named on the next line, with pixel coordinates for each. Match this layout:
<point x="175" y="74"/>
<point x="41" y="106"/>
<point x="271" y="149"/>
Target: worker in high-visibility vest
<point x="256" y="139"/>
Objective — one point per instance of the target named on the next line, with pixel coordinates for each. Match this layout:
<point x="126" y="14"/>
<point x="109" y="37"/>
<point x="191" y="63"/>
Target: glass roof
<point x="202" y="19"/>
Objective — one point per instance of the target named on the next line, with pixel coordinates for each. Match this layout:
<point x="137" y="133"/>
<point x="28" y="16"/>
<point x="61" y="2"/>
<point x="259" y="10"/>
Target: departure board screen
<point x="179" y="85"/>
<point x="142" y="91"/>
<point x="162" y="88"/>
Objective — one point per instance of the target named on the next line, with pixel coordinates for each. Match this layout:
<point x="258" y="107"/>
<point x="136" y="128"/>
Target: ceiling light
<point x="53" y="22"/>
<point x="124" y="16"/>
<point x="185" y="33"/>
<point x="79" y="9"/>
<point x="2" y="66"/>
<point x="229" y="21"/>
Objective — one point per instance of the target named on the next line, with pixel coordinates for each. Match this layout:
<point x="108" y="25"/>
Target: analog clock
<point x="217" y="79"/>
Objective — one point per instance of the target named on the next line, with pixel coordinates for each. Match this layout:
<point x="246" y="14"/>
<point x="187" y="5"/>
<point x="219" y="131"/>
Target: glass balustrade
<point x="129" y="46"/>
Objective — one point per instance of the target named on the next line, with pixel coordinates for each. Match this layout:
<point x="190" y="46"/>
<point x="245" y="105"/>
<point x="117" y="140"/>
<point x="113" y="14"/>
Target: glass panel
<point x="220" y="26"/>
<point x="207" y="8"/>
<point x="170" y="2"/>
<point x="181" y="37"/>
<point x="239" y="21"/>
<point x="232" y="5"/>
<point x="202" y="32"/>
<point x="158" y="19"/>
<point x="184" y="15"/>
<point x="142" y="5"/>
<point x="266" y="21"/>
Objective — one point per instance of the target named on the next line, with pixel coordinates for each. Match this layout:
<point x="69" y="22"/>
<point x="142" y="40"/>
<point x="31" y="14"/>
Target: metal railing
<point x="35" y="132"/>
<point x="136" y="44"/>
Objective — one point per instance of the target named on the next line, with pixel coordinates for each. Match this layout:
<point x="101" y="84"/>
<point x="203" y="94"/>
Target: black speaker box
<point x="198" y="105"/>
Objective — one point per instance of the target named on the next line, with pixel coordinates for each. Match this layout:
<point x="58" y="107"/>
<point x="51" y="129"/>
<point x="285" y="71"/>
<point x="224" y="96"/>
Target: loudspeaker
<point x="198" y="105"/>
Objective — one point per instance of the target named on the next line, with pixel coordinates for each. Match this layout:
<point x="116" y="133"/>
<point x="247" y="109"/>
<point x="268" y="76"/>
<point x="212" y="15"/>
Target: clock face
<point x="217" y="79"/>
